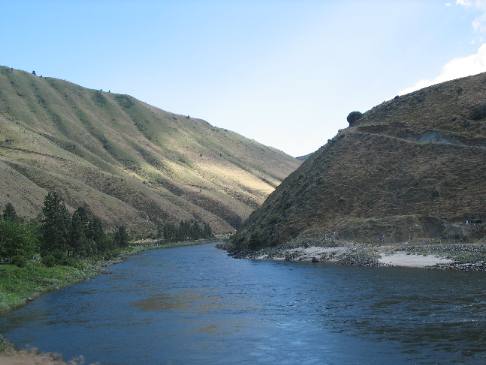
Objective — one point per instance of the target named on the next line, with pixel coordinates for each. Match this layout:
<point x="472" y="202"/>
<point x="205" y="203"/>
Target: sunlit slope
<point x="130" y="162"/>
<point x="411" y="169"/>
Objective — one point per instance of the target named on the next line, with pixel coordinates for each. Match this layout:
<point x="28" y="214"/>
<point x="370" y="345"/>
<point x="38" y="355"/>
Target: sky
<point x="285" y="73"/>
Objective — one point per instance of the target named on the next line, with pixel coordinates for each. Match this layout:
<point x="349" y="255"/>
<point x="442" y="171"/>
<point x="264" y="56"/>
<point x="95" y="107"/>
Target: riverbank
<point x="20" y="285"/>
<point x="450" y="256"/>
<point x="10" y="356"/>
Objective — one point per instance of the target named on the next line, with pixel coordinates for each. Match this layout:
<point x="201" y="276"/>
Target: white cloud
<point x="479" y="4"/>
<point x="479" y="23"/>
<point x="455" y="68"/>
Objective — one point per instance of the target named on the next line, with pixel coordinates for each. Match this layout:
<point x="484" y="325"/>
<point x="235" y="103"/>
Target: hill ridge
<point x="129" y="161"/>
<point x="410" y="169"/>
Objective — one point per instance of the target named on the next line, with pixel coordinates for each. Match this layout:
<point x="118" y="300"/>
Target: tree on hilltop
<point x="353" y="117"/>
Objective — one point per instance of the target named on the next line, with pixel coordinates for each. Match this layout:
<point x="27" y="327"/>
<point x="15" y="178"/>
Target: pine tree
<point x="160" y="231"/>
<point x="55" y="226"/>
<point x="9" y="213"/>
<point x="195" y="231"/>
<point x="169" y="232"/>
<point x="121" y="237"/>
<point x="207" y="231"/>
<point x="78" y="233"/>
<point x="182" y="231"/>
<point x="97" y="235"/>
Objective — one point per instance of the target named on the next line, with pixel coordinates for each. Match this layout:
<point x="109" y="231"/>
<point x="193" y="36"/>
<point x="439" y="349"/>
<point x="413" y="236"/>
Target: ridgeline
<point x="130" y="162"/>
<point x="412" y="169"/>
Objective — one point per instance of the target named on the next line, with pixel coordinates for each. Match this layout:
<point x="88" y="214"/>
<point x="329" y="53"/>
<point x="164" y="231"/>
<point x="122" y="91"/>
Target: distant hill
<point x="410" y="169"/>
<point x="128" y="161"/>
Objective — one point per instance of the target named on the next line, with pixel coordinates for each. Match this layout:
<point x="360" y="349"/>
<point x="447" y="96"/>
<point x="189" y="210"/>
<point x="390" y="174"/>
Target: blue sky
<point x="285" y="73"/>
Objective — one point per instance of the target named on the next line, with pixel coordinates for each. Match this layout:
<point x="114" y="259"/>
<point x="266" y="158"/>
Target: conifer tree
<point x="169" y="232"/>
<point x="207" y="231"/>
<point x="55" y="226"/>
<point x="9" y="213"/>
<point x="97" y="235"/>
<point x="195" y="230"/>
<point x="78" y="233"/>
<point x="121" y="237"/>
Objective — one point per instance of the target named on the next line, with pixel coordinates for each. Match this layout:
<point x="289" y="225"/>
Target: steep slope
<point x="411" y="169"/>
<point x="130" y="162"/>
<point x="303" y="158"/>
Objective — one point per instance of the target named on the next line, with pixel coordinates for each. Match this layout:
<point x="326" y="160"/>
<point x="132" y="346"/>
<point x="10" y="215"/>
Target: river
<point x="196" y="305"/>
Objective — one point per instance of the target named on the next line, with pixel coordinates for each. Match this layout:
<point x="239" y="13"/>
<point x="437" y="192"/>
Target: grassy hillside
<point x="130" y="162"/>
<point x="411" y="169"/>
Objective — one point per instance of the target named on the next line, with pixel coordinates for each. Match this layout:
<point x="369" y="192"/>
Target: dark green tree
<point x="170" y="232"/>
<point x="194" y="230"/>
<point x="9" y="213"/>
<point x="78" y="233"/>
<point x="55" y="226"/>
<point x="18" y="242"/>
<point x="97" y="235"/>
<point x="207" y="231"/>
<point x="121" y="237"/>
<point x="160" y="231"/>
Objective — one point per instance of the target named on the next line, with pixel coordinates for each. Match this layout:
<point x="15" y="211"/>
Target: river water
<point x="196" y="305"/>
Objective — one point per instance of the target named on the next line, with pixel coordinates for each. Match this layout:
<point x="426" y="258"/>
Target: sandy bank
<point x="450" y="256"/>
<point x="32" y="358"/>
<point x="403" y="259"/>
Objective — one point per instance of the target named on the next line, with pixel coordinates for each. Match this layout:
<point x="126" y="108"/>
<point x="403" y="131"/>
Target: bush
<point x="17" y="239"/>
<point x="49" y="260"/>
<point x="256" y="241"/>
<point x="19" y="261"/>
<point x="478" y="112"/>
<point x="353" y="117"/>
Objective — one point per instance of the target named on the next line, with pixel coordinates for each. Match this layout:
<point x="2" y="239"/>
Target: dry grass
<point x="130" y="162"/>
<point x="412" y="168"/>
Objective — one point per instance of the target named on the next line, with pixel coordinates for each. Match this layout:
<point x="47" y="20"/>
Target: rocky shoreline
<point x="449" y="256"/>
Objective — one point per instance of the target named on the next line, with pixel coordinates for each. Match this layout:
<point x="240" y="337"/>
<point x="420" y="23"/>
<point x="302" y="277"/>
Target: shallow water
<point x="195" y="305"/>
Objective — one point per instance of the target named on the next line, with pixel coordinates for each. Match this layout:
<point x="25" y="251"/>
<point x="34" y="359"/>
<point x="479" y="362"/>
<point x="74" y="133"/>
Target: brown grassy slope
<point x="412" y="168"/>
<point x="130" y="162"/>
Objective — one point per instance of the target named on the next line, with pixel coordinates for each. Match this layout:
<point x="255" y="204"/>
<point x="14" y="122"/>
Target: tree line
<point x="58" y="237"/>
<point x="184" y="231"/>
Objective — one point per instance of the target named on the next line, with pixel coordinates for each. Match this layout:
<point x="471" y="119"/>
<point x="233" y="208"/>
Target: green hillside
<point x="128" y="161"/>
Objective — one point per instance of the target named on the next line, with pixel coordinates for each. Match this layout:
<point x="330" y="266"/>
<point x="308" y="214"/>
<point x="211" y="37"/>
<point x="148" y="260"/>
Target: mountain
<point x="130" y="162"/>
<point x="410" y="169"/>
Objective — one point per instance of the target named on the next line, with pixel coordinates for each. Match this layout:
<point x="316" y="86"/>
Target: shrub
<point x="49" y="260"/>
<point x="19" y="260"/>
<point x="478" y="112"/>
<point x="17" y="239"/>
<point x="353" y="117"/>
<point x="9" y="213"/>
<point x="255" y="241"/>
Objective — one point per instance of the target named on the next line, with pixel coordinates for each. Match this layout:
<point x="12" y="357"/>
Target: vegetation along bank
<point x="59" y="248"/>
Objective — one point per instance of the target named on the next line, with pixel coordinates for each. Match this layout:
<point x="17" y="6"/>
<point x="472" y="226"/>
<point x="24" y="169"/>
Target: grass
<point x="18" y="284"/>
<point x="112" y="151"/>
